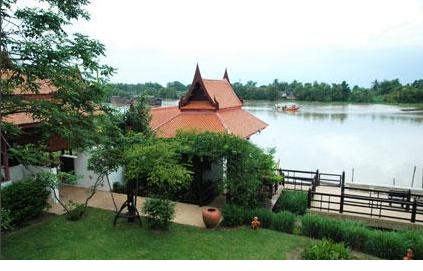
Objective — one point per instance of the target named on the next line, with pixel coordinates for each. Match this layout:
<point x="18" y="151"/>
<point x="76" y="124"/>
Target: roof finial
<point x="225" y="76"/>
<point x="197" y="74"/>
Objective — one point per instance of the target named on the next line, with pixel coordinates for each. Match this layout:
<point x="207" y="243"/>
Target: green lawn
<point x="94" y="237"/>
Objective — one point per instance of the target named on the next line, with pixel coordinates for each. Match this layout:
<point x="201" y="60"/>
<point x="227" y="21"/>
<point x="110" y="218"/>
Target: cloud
<point x="256" y="36"/>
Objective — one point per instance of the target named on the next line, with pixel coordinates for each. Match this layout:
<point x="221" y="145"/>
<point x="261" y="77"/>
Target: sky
<point x="306" y="40"/>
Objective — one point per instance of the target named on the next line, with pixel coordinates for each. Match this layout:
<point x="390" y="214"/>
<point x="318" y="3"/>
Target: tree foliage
<point x="389" y="91"/>
<point x="37" y="55"/>
<point x="157" y="162"/>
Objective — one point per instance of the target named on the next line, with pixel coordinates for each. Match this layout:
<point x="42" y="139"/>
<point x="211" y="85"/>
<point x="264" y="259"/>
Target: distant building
<point x="122" y="101"/>
<point x="209" y="105"/>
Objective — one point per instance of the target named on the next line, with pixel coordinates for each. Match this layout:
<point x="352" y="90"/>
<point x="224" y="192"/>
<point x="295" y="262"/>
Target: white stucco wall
<point x="87" y="177"/>
<point x="20" y="172"/>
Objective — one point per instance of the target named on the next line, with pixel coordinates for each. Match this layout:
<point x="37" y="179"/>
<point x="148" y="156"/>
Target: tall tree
<point x="36" y="49"/>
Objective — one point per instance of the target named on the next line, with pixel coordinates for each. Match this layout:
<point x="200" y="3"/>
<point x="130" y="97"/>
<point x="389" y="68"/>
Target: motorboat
<point x="287" y="107"/>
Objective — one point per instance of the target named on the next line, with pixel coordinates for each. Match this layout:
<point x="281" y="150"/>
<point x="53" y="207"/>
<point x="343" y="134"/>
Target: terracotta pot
<point x="211" y="217"/>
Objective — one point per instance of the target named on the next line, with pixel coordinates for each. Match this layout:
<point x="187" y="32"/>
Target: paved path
<point x="187" y="214"/>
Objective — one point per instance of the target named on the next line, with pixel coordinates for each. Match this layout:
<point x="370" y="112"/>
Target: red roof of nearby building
<point x="20" y="119"/>
<point x="209" y="105"/>
<point x="222" y="91"/>
<point x="44" y="91"/>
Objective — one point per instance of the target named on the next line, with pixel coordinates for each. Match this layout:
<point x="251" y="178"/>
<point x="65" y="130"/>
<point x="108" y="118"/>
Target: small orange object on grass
<point x="255" y="224"/>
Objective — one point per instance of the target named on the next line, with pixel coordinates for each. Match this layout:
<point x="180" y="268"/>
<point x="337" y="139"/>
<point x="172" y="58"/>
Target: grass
<point x="94" y="237"/>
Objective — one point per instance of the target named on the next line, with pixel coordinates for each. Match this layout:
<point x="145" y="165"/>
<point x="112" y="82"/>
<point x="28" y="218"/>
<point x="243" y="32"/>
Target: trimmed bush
<point x="354" y="234"/>
<point x="159" y="212"/>
<point x="265" y="217"/>
<point x="326" y="250"/>
<point x="233" y="215"/>
<point x="415" y="242"/>
<point x="5" y="219"/>
<point x="76" y="210"/>
<point x="283" y="221"/>
<point x="320" y="227"/>
<point x="292" y="201"/>
<point x="25" y="200"/>
<point x="386" y="245"/>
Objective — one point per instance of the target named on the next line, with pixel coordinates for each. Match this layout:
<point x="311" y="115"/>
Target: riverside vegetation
<point x="386" y="91"/>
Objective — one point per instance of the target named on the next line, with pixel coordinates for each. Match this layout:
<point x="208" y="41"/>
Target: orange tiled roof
<point x="199" y="105"/>
<point x="160" y="115"/>
<point x="241" y="122"/>
<point x="45" y="87"/>
<point x="20" y="119"/>
<point x="222" y="91"/>
<point x="166" y="121"/>
<point x="209" y="105"/>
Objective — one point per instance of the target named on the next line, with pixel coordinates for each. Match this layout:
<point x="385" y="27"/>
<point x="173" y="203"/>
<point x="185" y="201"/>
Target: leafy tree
<point x="157" y="163"/>
<point x="36" y="50"/>
<point x="385" y="91"/>
<point x="137" y="118"/>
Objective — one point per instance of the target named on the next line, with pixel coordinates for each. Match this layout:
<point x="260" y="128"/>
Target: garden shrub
<point x="354" y="234"/>
<point x="292" y="201"/>
<point x="284" y="221"/>
<point x="159" y="212"/>
<point x="25" y="200"/>
<point x="265" y="217"/>
<point x="75" y="212"/>
<point x="386" y="245"/>
<point x="414" y="240"/>
<point x="5" y="219"/>
<point x="320" y="227"/>
<point x="233" y="215"/>
<point x="326" y="250"/>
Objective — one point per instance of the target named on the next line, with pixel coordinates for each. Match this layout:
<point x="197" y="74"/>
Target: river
<point x="380" y="142"/>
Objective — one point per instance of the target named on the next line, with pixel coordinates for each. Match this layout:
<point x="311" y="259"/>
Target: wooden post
<point x="5" y="159"/>
<point x="414" y="211"/>
<point x="341" y="203"/>
<point x="317" y="178"/>
<point x="412" y="180"/>
<point x="309" y="195"/>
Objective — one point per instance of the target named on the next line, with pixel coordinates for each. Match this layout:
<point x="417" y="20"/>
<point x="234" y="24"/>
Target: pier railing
<point x="303" y="180"/>
<point x="399" y="205"/>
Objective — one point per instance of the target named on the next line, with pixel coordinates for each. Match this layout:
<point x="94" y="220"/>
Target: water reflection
<point x="380" y="142"/>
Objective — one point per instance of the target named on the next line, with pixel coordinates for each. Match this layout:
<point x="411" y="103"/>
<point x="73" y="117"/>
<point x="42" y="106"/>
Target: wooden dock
<point x="328" y="194"/>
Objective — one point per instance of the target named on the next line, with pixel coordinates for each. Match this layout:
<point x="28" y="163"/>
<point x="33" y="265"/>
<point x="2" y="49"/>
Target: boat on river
<point x="287" y="107"/>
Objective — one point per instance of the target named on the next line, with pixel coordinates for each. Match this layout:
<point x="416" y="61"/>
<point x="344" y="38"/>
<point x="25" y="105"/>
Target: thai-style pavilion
<point x="209" y="105"/>
<point x="212" y="106"/>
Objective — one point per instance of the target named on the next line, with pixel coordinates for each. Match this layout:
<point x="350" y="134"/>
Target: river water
<point x="380" y="142"/>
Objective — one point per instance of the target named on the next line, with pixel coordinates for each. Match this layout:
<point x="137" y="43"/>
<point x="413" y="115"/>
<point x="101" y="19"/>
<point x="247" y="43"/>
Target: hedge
<point x="25" y="200"/>
<point x="292" y="201"/>
<point x="384" y="244"/>
<point x="283" y="221"/>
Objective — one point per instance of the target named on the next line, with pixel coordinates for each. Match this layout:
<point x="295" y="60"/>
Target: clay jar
<point x="211" y="217"/>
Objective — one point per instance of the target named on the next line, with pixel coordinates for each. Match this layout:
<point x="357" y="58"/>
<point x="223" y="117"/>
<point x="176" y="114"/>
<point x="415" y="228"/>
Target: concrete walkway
<point x="187" y="214"/>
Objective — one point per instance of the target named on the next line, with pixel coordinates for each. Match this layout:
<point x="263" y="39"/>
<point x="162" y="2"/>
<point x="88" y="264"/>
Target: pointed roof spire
<point x="197" y="74"/>
<point x="226" y="76"/>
